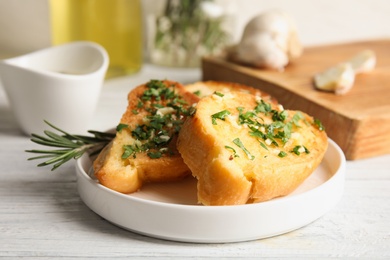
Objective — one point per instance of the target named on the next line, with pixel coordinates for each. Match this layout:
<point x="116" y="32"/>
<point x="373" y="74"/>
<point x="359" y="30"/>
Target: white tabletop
<point x="42" y="215"/>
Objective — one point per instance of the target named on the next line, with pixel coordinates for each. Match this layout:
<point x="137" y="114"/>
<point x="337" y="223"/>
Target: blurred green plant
<point x="187" y="30"/>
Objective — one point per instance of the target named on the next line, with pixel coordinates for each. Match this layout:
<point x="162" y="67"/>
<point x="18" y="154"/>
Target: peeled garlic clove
<point x="363" y="61"/>
<point x="338" y="79"/>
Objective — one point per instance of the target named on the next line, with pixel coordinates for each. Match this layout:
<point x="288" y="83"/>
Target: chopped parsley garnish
<point x="141" y="132"/>
<point x="140" y="104"/>
<point x="157" y="90"/>
<point x="263" y="107"/>
<point x="197" y="92"/>
<point x="318" y="123"/>
<point x="131" y="150"/>
<point x="264" y="146"/>
<point x="247" y="117"/>
<point x="300" y="149"/>
<point x="218" y="94"/>
<point x="238" y="142"/>
<point x="282" y="154"/>
<point x="219" y="115"/>
<point x="234" y="151"/>
<point x="257" y="133"/>
<point x="295" y="119"/>
<point x="157" y="105"/>
<point x="279" y="116"/>
<point x="155" y="155"/>
<point x="121" y="126"/>
<point x="166" y="112"/>
<point x="269" y="134"/>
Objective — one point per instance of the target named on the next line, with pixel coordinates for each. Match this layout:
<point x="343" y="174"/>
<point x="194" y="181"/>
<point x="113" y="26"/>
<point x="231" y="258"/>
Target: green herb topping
<point x="263" y="145"/>
<point x="318" y="123"/>
<point x="121" y="126"/>
<point x="233" y="150"/>
<point x="166" y="112"/>
<point x="276" y="133"/>
<point x="282" y="154"/>
<point x="154" y="155"/>
<point x="263" y="107"/>
<point x="300" y="149"/>
<point x="238" y="142"/>
<point x="218" y="94"/>
<point x="219" y="115"/>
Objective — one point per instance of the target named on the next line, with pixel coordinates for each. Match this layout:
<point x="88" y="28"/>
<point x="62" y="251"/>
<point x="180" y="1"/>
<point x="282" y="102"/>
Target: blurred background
<point x="25" y="25"/>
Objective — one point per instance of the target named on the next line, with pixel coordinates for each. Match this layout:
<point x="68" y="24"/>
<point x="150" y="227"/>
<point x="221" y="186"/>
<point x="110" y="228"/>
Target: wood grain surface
<point x="359" y="121"/>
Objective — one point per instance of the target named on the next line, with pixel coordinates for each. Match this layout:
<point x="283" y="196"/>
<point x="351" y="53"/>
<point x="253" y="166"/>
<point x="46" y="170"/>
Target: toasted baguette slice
<point x="206" y="88"/>
<point x="144" y="150"/>
<point x="245" y="150"/>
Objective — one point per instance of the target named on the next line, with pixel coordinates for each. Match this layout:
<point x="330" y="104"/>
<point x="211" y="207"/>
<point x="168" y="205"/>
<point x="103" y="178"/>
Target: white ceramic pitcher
<point x="59" y="84"/>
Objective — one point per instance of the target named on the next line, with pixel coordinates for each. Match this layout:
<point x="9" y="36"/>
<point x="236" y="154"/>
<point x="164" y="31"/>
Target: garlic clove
<point x="341" y="77"/>
<point x="338" y="79"/>
<point x="363" y="62"/>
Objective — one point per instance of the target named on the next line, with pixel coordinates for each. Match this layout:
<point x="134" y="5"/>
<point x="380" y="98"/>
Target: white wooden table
<point x="41" y="214"/>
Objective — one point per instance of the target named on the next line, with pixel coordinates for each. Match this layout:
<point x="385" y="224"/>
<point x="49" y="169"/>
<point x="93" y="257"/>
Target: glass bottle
<point x="183" y="31"/>
<point x="114" y="24"/>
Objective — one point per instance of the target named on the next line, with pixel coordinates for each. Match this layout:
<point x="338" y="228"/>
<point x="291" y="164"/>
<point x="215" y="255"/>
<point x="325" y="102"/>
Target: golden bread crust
<point x="229" y="175"/>
<point x="206" y="88"/>
<point x="127" y="175"/>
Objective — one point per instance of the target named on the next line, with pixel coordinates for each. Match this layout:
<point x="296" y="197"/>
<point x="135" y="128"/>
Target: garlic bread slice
<point x="243" y="149"/>
<point x="144" y="149"/>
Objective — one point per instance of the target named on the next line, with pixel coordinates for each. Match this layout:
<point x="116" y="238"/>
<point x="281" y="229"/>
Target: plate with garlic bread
<point x="212" y="162"/>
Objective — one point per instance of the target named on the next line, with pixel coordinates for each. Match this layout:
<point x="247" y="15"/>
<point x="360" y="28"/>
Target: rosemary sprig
<point x="72" y="146"/>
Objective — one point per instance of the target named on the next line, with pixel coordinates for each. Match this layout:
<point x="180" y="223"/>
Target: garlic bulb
<point x="270" y="40"/>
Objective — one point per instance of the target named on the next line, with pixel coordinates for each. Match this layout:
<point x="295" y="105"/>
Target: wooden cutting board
<point x="359" y="121"/>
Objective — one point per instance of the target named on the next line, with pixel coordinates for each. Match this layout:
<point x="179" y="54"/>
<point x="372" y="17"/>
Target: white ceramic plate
<point x="170" y="211"/>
